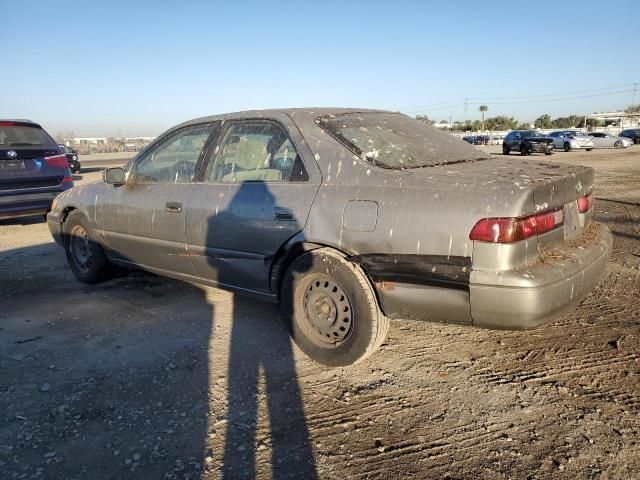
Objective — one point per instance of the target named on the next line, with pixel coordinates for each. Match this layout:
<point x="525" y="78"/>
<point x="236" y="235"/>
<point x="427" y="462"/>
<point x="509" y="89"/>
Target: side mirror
<point x="114" y="176"/>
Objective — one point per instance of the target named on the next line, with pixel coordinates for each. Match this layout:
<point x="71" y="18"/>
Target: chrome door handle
<point x="173" y="207"/>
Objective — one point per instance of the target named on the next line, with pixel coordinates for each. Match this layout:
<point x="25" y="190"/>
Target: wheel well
<point x="288" y="253"/>
<point x="283" y="258"/>
<point x="66" y="212"/>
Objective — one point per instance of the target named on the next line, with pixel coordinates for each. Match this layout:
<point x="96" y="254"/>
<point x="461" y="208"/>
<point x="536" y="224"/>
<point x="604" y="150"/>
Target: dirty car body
<point x="441" y="230"/>
<point x="33" y="170"/>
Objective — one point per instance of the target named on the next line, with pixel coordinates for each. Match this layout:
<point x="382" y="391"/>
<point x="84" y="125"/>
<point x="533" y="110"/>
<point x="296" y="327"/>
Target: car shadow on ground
<point x="27" y="220"/>
<point x="119" y="379"/>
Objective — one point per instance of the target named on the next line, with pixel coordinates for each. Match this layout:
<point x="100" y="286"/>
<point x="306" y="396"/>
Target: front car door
<point x="255" y="194"/>
<point x="144" y="219"/>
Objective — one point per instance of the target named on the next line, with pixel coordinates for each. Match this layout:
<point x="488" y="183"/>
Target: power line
<point x="506" y="100"/>
<point x="562" y="94"/>
<point x="561" y="99"/>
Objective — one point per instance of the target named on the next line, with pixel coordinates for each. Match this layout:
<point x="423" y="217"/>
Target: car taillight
<point x="67" y="180"/>
<point x="57" y="161"/>
<point x="585" y="203"/>
<point x="7" y="124"/>
<point x="513" y="229"/>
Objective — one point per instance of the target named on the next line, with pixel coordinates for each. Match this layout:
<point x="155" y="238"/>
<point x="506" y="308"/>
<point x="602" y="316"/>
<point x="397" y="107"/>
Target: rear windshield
<point x="392" y="140"/>
<point x="24" y="136"/>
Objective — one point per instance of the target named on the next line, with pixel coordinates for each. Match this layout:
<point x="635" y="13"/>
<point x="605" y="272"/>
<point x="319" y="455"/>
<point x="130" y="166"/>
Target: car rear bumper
<point x="541" y="292"/>
<point x="507" y="300"/>
<point x="19" y="205"/>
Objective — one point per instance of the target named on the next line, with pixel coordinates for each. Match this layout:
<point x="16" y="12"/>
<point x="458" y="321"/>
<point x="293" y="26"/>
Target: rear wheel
<point x="330" y="309"/>
<point x="85" y="255"/>
<point x="567" y="146"/>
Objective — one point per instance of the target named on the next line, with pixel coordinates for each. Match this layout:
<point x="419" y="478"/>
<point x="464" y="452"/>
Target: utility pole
<point x="466" y="105"/>
<point x="633" y="98"/>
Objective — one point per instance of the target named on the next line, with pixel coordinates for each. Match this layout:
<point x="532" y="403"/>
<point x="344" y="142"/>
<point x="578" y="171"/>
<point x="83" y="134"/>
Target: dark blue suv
<point x="33" y="169"/>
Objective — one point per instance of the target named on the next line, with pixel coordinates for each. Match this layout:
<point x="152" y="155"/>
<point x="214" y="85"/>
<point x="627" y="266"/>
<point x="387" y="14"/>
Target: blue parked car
<point x="33" y="169"/>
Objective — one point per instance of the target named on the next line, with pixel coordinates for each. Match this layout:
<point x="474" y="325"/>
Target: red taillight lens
<point x="585" y="203"/>
<point x="7" y="124"/>
<point x="67" y="180"/>
<point x="57" y="161"/>
<point x="507" y="230"/>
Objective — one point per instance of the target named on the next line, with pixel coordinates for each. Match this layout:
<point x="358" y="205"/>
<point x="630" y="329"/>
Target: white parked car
<point x="570" y="140"/>
<point x="607" y="140"/>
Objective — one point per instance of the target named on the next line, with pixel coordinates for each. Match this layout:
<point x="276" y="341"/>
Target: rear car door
<point x="144" y="219"/>
<point x="256" y="193"/>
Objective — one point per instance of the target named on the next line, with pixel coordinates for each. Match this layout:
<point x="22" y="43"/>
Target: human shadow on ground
<point x="254" y="353"/>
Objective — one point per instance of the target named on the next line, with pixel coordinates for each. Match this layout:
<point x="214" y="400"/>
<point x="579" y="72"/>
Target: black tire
<point x="505" y="149"/>
<point x="323" y="283"/>
<point x="588" y="149"/>
<point x="523" y="150"/>
<point x="618" y="144"/>
<point x="85" y="255"/>
<point x="567" y="146"/>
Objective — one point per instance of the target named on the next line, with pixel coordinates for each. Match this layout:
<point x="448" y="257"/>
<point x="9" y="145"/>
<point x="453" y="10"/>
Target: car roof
<point x="21" y="121"/>
<point x="278" y="112"/>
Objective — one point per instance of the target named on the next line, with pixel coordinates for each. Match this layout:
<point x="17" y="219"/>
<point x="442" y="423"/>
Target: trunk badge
<point x="12" y="154"/>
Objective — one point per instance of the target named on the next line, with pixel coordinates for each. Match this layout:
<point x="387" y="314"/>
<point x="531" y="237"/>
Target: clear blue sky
<point x="138" y="67"/>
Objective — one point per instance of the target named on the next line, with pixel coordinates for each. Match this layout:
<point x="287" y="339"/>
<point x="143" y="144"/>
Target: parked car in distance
<point x="32" y="169"/>
<point x="607" y="140"/>
<point x="482" y="140"/>
<point x="527" y="142"/>
<point x="571" y="140"/>
<point x="317" y="209"/>
<point x="72" y="158"/>
<point x="632" y="134"/>
<point x="469" y="139"/>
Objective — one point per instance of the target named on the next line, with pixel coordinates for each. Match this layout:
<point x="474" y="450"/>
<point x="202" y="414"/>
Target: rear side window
<point x="392" y="140"/>
<point x="256" y="151"/>
<point x="24" y="136"/>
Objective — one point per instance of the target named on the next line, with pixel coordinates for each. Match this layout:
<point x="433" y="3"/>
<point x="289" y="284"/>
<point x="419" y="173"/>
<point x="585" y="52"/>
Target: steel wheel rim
<point x="328" y="314"/>
<point x="80" y="248"/>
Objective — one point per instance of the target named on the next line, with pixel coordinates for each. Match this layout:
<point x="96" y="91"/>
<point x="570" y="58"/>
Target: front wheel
<point x="505" y="149"/>
<point x="567" y="146"/>
<point x="588" y="149"/>
<point x="85" y="255"/>
<point x="523" y="150"/>
<point x="330" y="309"/>
<point x="618" y="144"/>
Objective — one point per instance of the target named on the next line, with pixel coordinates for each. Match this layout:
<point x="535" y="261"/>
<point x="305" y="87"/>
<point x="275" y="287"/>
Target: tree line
<point x="502" y="122"/>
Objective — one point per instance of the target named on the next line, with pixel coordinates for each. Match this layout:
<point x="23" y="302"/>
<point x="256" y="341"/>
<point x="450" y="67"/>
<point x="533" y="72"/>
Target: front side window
<point x="174" y="159"/>
<point x="253" y="151"/>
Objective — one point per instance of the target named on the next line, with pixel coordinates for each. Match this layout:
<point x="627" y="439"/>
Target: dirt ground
<point x="145" y="377"/>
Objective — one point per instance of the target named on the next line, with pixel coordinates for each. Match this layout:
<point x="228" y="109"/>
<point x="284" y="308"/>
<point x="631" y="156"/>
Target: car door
<point x="144" y="219"/>
<point x="255" y="194"/>
<point x="558" y="141"/>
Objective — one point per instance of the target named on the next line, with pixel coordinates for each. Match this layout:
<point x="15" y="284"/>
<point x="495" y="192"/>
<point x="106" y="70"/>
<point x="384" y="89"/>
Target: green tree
<point x="501" y="122"/>
<point x="571" y="121"/>
<point x="543" y="121"/>
<point x="425" y="119"/>
<point x="483" y="108"/>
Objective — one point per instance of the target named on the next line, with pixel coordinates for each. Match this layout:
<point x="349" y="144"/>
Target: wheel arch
<point x="297" y="246"/>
